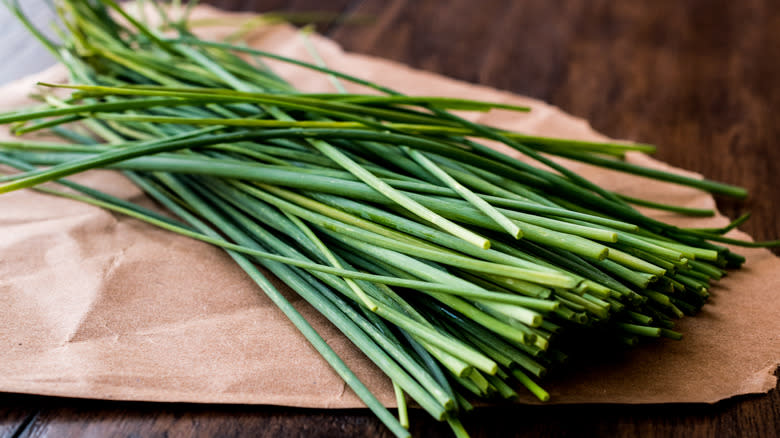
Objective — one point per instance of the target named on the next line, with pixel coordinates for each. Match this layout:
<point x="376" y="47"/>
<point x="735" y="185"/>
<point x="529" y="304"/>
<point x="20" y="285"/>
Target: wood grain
<point x="697" y="78"/>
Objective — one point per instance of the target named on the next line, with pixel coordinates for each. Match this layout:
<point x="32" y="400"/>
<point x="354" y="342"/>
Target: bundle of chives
<point x="456" y="269"/>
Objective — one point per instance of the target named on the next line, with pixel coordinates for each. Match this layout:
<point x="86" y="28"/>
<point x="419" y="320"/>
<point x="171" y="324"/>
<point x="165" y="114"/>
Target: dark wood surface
<point x="697" y="78"/>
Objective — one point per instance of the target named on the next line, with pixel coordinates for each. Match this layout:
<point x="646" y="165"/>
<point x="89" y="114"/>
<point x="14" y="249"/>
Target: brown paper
<point x="101" y="306"/>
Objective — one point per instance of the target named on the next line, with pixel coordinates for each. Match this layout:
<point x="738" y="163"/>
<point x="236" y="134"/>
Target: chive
<point x="467" y="194"/>
<point x="710" y="186"/>
<point x="640" y="329"/>
<point x="535" y="389"/>
<point x="400" y="399"/>
<point x="688" y="211"/>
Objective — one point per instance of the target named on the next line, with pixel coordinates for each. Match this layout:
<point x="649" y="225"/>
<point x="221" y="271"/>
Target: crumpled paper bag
<point x="97" y="305"/>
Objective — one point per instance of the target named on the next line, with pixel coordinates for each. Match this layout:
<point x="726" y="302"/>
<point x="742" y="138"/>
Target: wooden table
<point x="697" y="78"/>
